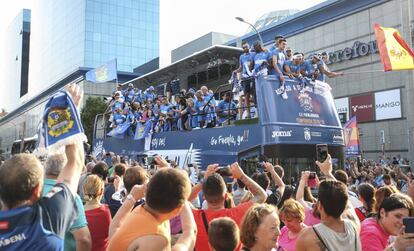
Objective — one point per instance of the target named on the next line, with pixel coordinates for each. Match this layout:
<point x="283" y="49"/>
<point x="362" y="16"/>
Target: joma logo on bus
<point x="281" y="134"/>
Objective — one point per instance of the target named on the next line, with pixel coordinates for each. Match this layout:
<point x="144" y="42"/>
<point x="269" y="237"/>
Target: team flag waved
<point x="351" y="136"/>
<point x="394" y="51"/>
<point x="103" y="73"/>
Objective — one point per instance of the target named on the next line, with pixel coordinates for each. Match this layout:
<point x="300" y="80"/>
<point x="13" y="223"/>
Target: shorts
<point x="248" y="84"/>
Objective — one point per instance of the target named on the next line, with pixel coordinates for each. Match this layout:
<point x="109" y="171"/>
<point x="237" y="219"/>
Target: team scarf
<point x="60" y="124"/>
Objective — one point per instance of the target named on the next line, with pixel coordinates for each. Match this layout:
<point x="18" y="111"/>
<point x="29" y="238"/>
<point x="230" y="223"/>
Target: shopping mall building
<point x="383" y="102"/>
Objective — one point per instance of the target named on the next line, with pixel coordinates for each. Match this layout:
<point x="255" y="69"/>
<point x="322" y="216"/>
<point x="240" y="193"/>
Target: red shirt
<point x="98" y="223"/>
<point x="235" y="213"/>
<point x="373" y="237"/>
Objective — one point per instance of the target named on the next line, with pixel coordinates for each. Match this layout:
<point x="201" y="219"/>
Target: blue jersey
<point x="309" y="67"/>
<point x="41" y="226"/>
<point x="129" y="95"/>
<point x="224" y="107"/>
<point x="138" y="96"/>
<point x="261" y="62"/>
<point x="280" y="60"/>
<point x="118" y="118"/>
<point x="165" y="109"/>
<point x="117" y="105"/>
<point x="149" y="96"/>
<point x="245" y="61"/>
<point x="293" y="67"/>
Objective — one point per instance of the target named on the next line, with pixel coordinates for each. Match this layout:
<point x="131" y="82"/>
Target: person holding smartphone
<point x="375" y="232"/>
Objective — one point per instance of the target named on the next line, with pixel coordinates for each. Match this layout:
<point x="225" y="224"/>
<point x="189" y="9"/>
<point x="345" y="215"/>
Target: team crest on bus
<point x="305" y="102"/>
<point x="59" y="122"/>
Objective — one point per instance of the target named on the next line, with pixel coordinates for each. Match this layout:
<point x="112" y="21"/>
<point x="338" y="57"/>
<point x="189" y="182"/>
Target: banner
<point x="351" y="135"/>
<point x="143" y="130"/>
<point x="103" y="73"/>
<point x="119" y="131"/>
<point x="362" y="106"/>
<point x="312" y="107"/>
<point x="394" y="51"/>
<point x="388" y="104"/>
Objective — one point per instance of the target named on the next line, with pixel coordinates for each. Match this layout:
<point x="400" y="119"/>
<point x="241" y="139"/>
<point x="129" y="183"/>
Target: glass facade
<point x="16" y="61"/>
<point x="127" y="30"/>
<point x="67" y="35"/>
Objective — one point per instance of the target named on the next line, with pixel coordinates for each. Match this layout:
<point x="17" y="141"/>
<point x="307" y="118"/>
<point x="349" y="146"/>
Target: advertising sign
<point x="362" y="106"/>
<point x="342" y="108"/>
<point x="388" y="104"/>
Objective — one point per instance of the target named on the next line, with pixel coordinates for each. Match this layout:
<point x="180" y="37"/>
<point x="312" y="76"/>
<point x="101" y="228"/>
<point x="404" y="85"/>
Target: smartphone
<point x="409" y="224"/>
<point x="190" y="165"/>
<point x="224" y="171"/>
<point x="312" y="179"/>
<point x="321" y="152"/>
<point x="151" y="160"/>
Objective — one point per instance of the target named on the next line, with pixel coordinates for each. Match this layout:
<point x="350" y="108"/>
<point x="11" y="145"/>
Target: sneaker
<point x="284" y="95"/>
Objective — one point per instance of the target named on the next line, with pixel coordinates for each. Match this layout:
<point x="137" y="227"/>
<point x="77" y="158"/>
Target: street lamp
<point x="254" y="28"/>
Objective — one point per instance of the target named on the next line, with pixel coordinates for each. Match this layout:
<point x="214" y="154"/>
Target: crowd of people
<point x="65" y="202"/>
<point x="62" y="202"/>
<point x="188" y="110"/>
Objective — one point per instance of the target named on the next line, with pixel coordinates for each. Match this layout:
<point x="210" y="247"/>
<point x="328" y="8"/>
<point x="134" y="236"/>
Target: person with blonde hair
<point x="97" y="214"/>
<point x="260" y="228"/>
<point x="292" y="214"/>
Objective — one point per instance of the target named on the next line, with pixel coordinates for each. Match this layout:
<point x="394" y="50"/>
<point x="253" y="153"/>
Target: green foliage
<point x="92" y="107"/>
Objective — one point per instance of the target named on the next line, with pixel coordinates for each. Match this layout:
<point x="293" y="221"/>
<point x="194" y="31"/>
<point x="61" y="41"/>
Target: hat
<point x="130" y="85"/>
<point x="118" y="93"/>
<point x="151" y="88"/>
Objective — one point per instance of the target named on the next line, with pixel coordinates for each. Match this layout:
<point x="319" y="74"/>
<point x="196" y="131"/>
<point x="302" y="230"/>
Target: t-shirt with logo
<point x="245" y="60"/>
<point x="261" y="60"/>
<point x="41" y="226"/>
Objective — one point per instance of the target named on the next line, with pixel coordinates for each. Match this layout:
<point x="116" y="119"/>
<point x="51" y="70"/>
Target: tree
<point x="92" y="107"/>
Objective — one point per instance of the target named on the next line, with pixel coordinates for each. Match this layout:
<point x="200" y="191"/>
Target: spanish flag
<point x="394" y="51"/>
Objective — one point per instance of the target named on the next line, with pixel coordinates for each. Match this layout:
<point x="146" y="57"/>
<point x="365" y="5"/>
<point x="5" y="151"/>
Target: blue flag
<point x="119" y="131"/>
<point x="103" y="73"/>
<point x="143" y="130"/>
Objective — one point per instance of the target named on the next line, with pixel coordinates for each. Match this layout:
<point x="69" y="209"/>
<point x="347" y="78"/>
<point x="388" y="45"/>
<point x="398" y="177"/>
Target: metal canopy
<point x="208" y="58"/>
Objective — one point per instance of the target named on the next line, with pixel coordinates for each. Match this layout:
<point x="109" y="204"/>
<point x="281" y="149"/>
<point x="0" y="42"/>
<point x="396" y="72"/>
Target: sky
<point x="181" y="21"/>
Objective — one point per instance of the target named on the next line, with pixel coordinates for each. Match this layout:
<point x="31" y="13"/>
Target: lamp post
<point x="254" y="28"/>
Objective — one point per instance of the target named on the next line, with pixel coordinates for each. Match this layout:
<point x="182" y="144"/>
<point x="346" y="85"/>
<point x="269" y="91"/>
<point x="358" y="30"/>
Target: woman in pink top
<point x="375" y="232"/>
<point x="292" y="215"/>
<point x="312" y="216"/>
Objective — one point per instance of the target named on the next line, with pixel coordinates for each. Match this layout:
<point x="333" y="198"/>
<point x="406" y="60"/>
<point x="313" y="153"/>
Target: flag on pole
<point x="351" y="134"/>
<point x="394" y="51"/>
<point x="103" y="73"/>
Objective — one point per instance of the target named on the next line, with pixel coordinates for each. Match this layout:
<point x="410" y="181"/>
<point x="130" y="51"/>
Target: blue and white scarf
<point x="60" y="124"/>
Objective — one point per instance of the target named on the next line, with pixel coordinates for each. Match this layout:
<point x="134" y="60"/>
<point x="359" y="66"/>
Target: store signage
<point x="358" y="49"/>
<point x="388" y="104"/>
<point x="362" y="106"/>
<point x="342" y="108"/>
